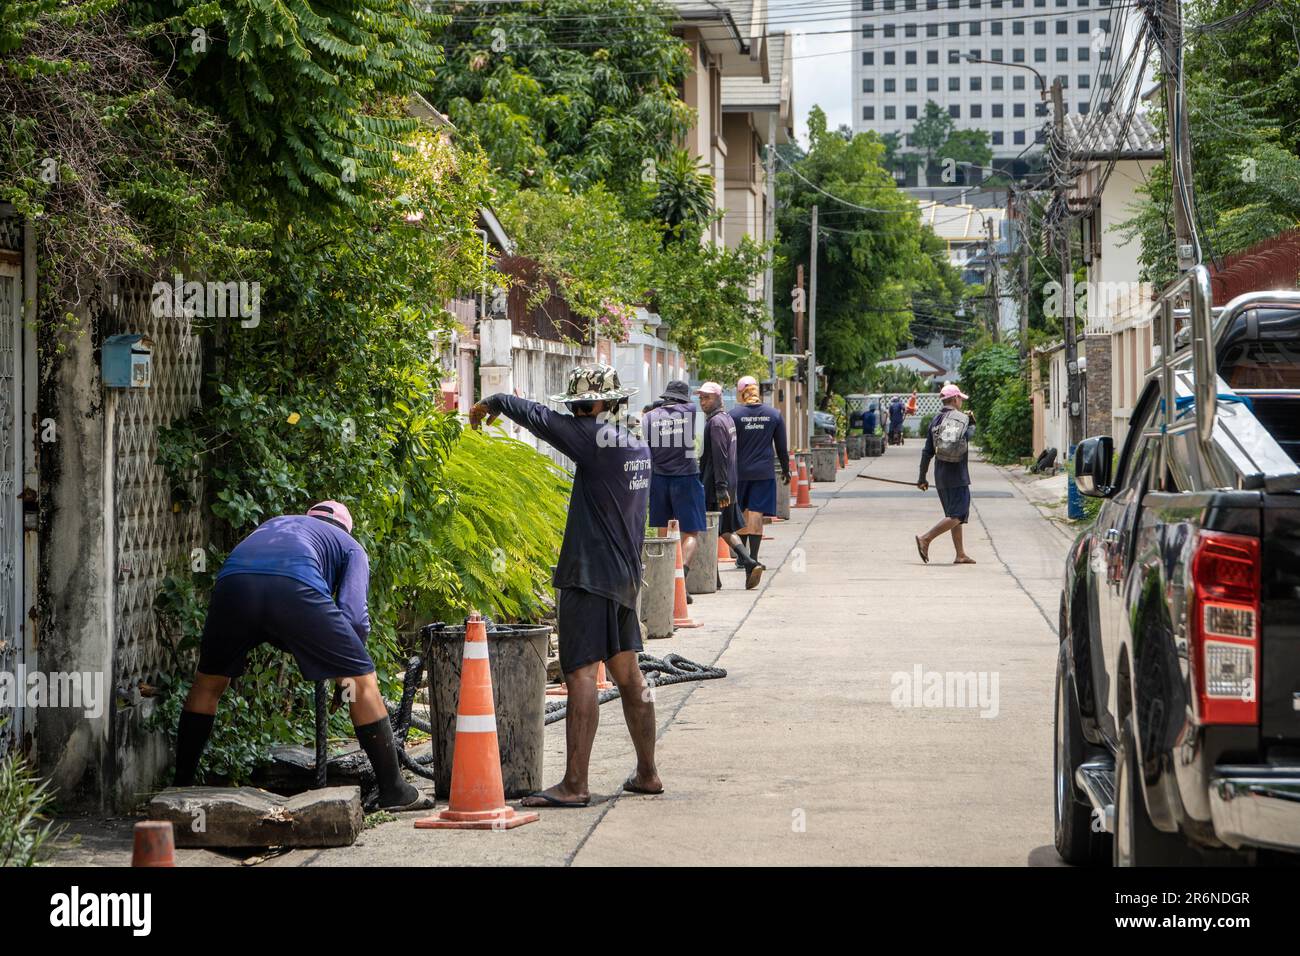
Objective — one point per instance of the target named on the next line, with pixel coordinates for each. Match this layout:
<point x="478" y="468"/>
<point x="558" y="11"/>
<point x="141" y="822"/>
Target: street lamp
<point x="1042" y="83"/>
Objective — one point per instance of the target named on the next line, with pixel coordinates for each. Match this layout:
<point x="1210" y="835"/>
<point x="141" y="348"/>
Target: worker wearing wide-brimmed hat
<point x="947" y="443"/>
<point x="598" y="574"/>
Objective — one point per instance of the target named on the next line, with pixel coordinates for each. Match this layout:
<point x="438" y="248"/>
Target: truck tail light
<point x="1225" y="627"/>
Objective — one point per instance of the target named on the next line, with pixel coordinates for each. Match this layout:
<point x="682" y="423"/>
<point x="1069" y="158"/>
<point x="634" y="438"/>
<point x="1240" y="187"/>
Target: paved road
<point x="801" y="756"/>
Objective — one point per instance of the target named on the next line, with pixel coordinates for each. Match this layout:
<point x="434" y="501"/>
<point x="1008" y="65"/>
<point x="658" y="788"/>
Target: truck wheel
<point x="1137" y="841"/>
<point x="1077" y="841"/>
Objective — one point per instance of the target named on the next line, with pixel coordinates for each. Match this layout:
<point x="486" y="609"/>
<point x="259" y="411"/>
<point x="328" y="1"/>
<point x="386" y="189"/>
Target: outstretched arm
<point x="548" y="425"/>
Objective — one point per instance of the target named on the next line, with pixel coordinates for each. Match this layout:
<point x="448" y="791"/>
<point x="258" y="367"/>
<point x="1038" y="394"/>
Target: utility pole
<point x="800" y="309"/>
<point x="812" y="332"/>
<point x="1067" y="273"/>
<point x="1022" y="224"/>
<point x="769" y="235"/>
<point x="1188" y="244"/>
<point x="995" y="302"/>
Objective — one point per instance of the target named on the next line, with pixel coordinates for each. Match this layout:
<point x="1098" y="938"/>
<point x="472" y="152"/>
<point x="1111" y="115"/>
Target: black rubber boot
<point x="686" y="573"/>
<point x="744" y="559"/>
<point x="192" y="735"/>
<point x="754" y="541"/>
<point x="377" y="741"/>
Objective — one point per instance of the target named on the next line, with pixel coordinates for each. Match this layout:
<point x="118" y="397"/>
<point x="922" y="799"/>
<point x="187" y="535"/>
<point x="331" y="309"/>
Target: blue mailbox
<point x="127" y="361"/>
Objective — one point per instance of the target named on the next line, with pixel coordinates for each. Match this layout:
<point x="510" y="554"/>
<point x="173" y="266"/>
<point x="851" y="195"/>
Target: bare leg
<point x="205" y="693"/>
<point x="962" y="556"/>
<point x="365" y="702"/>
<point x="943" y="527"/>
<point x="639" y="712"/>
<point x="690" y="543"/>
<point x="580" y="723"/>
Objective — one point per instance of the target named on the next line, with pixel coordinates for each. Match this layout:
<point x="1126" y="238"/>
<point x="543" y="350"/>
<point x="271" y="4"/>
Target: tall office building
<point x="909" y="51"/>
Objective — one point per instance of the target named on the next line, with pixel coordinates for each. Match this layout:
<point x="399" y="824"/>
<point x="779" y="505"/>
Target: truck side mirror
<point x="1092" y="466"/>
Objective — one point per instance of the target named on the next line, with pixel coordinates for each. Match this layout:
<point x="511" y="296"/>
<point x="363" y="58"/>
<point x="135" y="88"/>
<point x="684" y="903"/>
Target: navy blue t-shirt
<point x="758" y="428"/>
<point x="669" y="430"/>
<point x="607" y="508"/>
<point x="319" y="554"/>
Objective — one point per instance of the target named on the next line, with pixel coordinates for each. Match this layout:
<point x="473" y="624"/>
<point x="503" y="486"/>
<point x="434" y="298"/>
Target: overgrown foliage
<point x="991" y="374"/>
<point x="27" y="835"/>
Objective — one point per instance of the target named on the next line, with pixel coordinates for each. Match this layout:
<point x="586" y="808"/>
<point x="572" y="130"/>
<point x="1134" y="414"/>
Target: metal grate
<point x="153" y="540"/>
<point x="11" y="530"/>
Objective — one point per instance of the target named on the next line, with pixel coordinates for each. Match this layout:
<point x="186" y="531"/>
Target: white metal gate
<point x="11" y="514"/>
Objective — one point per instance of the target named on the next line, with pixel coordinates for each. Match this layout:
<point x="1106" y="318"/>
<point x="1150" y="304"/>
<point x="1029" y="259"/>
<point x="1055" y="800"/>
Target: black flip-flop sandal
<point x="422" y="802"/>
<point x="550" y="801"/>
<point x="921" y="551"/>
<point x="630" y="786"/>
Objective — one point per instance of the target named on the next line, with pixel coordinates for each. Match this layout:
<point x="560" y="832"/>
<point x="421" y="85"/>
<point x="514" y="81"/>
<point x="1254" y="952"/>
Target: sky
<point x="822" y="46"/>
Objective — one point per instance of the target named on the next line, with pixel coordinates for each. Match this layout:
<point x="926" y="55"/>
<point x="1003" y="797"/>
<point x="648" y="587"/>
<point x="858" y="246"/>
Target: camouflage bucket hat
<point x="593" y="383"/>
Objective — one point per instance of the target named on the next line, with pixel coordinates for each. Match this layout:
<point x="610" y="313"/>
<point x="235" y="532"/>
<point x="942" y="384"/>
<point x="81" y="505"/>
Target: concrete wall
<point x="1097" y="381"/>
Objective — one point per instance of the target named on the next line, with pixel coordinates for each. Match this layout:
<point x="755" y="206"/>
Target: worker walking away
<point x="299" y="583"/>
<point x="869" y="420"/>
<point x="718" y="472"/>
<point x="896" y="421"/>
<point x="759" y="429"/>
<point x="671" y="428"/>
<point x="948" y="443"/>
<point x="598" y="575"/>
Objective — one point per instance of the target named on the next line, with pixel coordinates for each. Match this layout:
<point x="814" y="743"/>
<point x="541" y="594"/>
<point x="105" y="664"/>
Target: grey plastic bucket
<point x="783" y="490"/>
<point x="857" y="446"/>
<point x="658" y="585"/>
<point x="703" y="575"/>
<point x="875" y="446"/>
<point x="825" y="462"/>
<point x="517" y="661"/>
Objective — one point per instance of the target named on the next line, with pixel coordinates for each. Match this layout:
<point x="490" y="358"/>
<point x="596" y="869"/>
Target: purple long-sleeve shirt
<point x="719" y="458"/>
<point x="314" y="552"/>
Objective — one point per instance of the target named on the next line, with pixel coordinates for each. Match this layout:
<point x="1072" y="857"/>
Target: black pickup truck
<point x="1177" y="713"/>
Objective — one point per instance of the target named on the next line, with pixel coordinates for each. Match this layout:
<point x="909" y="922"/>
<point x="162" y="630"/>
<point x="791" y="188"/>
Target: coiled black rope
<point x="659" y="671"/>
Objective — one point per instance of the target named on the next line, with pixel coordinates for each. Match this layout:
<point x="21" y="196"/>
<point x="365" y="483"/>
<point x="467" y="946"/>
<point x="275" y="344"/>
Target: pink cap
<point x="334" y="510"/>
<point x="745" y="381"/>
<point x="951" y="391"/>
<point x="709" y="388"/>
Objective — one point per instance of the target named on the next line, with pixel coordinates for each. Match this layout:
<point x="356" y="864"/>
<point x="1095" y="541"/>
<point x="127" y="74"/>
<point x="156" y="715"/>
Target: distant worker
<point x="948" y="443"/>
<point x="896" y="421"/>
<point x="869" y="420"/>
<point x="910" y="407"/>
<point x="598" y="575"/>
<point x="670" y="429"/>
<point x="299" y="583"/>
<point x="759" y="430"/>
<point x="718" y="471"/>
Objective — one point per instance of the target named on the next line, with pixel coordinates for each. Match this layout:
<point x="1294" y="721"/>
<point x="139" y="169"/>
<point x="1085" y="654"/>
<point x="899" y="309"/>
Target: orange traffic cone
<point x="681" y="616"/>
<point x="724" y="552"/>
<point x="602" y="683"/>
<point x="478" y="797"/>
<point x="804" y="500"/>
<point x="794" y="479"/>
<point x="155" y="844"/>
<point x="844" y="457"/>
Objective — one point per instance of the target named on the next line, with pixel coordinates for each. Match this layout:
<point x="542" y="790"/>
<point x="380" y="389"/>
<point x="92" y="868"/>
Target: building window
<point x="932" y="84"/>
<point x="1018" y="55"/>
<point x="1017" y="4"/>
<point x="1040" y="27"/>
<point x="1019" y="137"/>
<point x="931" y="56"/>
<point x="1063" y="80"/>
<point x="954" y="84"/>
<point x="954" y="56"/>
<point x="888" y="4"/>
<point x="997" y="110"/>
<point x="868" y="58"/>
<point x="975" y="55"/>
<point x="952" y="4"/>
<point x="954" y="111"/>
<point x="1084" y="81"/>
<point x="1018" y="81"/>
<point x="954" y="29"/>
<point x="996" y="28"/>
<point x="911" y="112"/>
<point x="932" y="29"/>
<point x="976" y="111"/>
<point x="1018" y="28"/>
<point x="891" y="112"/>
<point x="997" y="138"/>
<point x="1105" y="80"/>
<point x="996" y="82"/>
<point x="909" y="84"/>
<point x="868" y="85"/>
<point x="909" y="5"/>
<point x="1083" y="54"/>
<point x="1040" y="136"/>
<point x="889" y="57"/>
<point x="889" y="30"/>
<point x="1040" y="109"/>
<point x="932" y="4"/>
<point x="974" y="28"/>
<point x="868" y="31"/>
<point x="868" y="5"/>
<point x="1103" y="26"/>
<point x="909" y="30"/>
<point x="974" y="84"/>
<point x="996" y="54"/>
<point x="890" y="85"/>
<point x="1062" y="26"/>
<point x="868" y="112"/>
<point x="1018" y="110"/>
<point x="1083" y="109"/>
<point x="1062" y="54"/>
<point x="1040" y="54"/>
<point x="910" y="58"/>
<point x="1083" y="26"/>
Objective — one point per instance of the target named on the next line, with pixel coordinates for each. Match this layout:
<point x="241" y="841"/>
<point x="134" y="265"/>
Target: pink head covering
<point x="709" y="388"/>
<point x="335" y="511"/>
<point x="744" y="382"/>
<point x="951" y="391"/>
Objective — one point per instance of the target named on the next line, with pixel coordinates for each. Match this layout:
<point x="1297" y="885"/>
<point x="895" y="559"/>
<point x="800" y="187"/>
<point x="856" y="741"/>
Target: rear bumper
<point x="1256" y="806"/>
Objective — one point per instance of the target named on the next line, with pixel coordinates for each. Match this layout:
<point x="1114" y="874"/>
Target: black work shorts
<point x="956" y="502"/>
<point x="730" y="520"/>
<point x="252" y="609"/>
<point x="593" y="628"/>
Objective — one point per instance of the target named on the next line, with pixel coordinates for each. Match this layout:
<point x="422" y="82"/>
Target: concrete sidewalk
<point x="799" y="756"/>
